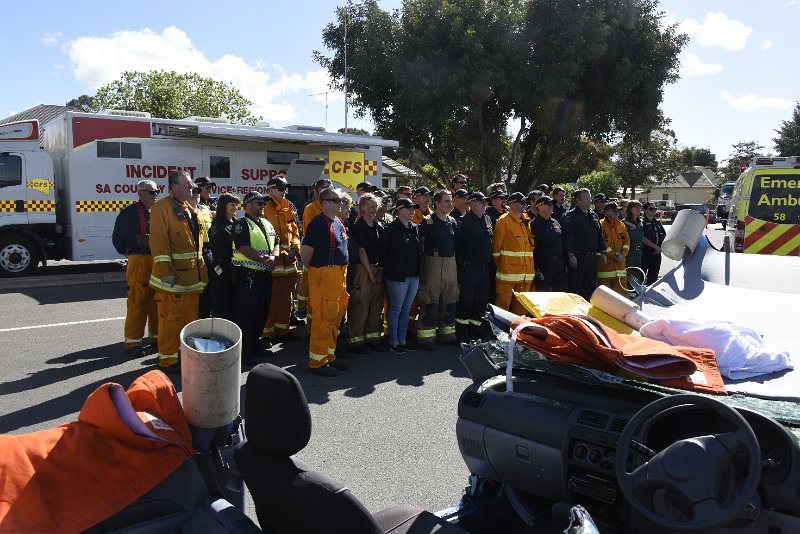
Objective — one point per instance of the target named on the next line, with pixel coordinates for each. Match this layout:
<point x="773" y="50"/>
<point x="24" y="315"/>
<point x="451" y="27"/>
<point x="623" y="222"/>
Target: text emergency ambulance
<point x="61" y="189"/>
<point x="764" y="214"/>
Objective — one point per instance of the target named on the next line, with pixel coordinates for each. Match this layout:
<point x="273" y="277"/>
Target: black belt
<point x="578" y="253"/>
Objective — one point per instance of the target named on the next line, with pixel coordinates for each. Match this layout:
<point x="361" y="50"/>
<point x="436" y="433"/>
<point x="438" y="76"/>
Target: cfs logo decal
<point x="41" y="185"/>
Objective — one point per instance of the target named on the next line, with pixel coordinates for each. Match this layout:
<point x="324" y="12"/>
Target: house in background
<point x="693" y="186"/>
<point x="396" y="174"/>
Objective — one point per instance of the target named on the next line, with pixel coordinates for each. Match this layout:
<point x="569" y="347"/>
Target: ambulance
<point x="62" y="187"/>
<point x="764" y="215"/>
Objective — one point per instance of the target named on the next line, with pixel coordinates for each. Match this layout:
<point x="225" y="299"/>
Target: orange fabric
<point x="141" y="306"/>
<point x="71" y="477"/>
<point x="281" y="218"/>
<point x="311" y="210"/>
<point x="419" y="215"/>
<point x="504" y="295"/>
<point x="328" y="300"/>
<point x="513" y="249"/>
<point x="575" y="339"/>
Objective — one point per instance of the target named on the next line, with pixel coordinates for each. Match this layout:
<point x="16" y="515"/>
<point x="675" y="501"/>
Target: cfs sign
<point x="347" y="168"/>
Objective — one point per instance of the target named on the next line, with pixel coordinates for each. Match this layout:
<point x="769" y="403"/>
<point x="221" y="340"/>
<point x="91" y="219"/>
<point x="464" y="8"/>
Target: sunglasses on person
<point x="149" y="191"/>
<point x="651" y="208"/>
<point x="281" y="188"/>
<point x="260" y="203"/>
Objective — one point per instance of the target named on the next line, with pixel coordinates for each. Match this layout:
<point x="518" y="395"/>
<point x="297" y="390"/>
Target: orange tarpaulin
<point x="585" y="341"/>
<point x="69" y="478"/>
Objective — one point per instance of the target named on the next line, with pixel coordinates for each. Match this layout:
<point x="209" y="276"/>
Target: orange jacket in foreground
<point x="69" y="478"/>
<point x="585" y="341"/>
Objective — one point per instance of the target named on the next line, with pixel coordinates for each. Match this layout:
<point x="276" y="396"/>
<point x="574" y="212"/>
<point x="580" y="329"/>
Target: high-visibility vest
<point x="513" y="249"/>
<point x="263" y="244"/>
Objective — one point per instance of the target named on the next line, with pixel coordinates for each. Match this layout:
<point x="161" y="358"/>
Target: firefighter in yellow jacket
<point x="513" y="255"/>
<point x="284" y="275"/>
<point x="179" y="272"/>
<point x="613" y="274"/>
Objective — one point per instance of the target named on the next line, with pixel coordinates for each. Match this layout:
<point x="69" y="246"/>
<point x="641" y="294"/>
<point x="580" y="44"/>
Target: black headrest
<point x="277" y="418"/>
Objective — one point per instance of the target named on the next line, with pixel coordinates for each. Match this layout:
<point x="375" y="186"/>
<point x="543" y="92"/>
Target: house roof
<point x="694" y="178"/>
<point x="393" y="168"/>
<point x="44" y="112"/>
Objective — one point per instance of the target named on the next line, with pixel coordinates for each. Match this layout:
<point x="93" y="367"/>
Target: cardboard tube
<point x="618" y="307"/>
<point x="684" y="234"/>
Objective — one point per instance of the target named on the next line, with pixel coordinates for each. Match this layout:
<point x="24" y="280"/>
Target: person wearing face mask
<point x="179" y="271"/>
<point x="131" y="238"/>
<point x="284" y="275"/>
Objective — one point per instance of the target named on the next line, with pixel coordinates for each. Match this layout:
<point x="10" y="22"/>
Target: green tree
<point x="605" y="182"/>
<point x="788" y="141"/>
<point x="699" y="157"/>
<point x="172" y="95"/>
<point x="353" y="131"/>
<point x="743" y="152"/>
<point x="82" y="103"/>
<point x="642" y="164"/>
<point x="447" y="89"/>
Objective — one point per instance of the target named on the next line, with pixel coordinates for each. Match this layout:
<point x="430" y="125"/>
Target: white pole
<point x="345" y="70"/>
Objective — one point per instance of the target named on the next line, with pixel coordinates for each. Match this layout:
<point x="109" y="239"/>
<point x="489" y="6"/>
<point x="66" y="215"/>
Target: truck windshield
<point x="776" y="198"/>
<point x="726" y="191"/>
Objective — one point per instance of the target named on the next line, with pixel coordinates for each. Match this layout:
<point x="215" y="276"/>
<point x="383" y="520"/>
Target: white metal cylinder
<point x="684" y="234"/>
<point x="210" y="380"/>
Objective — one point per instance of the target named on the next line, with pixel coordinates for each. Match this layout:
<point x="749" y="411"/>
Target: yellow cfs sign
<point x="41" y="185"/>
<point x="347" y="168"/>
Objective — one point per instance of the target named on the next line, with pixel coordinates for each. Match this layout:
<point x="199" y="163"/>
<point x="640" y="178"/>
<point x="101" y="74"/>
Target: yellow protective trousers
<point x="280" y="306"/>
<point x="327" y="300"/>
<point x="364" y="313"/>
<point x="437" y="298"/>
<point x="613" y="275"/>
<point x="504" y="297"/>
<point x="142" y="309"/>
<point x="175" y="310"/>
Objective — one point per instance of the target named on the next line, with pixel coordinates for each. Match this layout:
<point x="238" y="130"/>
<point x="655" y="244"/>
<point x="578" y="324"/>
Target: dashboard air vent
<point x="618" y="425"/>
<point x="595" y="419"/>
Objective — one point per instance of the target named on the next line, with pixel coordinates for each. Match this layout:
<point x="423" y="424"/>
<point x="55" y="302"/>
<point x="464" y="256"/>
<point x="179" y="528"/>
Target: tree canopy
<point x="743" y="152"/>
<point x="605" y="182"/>
<point x="644" y="163"/>
<point x="445" y="77"/>
<point x="788" y="141"/>
<point x="170" y="95"/>
<point x="699" y="157"/>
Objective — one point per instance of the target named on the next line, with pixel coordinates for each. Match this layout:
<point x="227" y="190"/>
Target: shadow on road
<point x="73" y="293"/>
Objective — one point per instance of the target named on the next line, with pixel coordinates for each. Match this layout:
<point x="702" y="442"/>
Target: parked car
<point x="702" y="209"/>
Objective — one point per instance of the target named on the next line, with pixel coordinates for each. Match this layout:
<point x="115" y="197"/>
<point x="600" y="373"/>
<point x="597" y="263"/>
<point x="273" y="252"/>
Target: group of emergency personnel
<point x="404" y="279"/>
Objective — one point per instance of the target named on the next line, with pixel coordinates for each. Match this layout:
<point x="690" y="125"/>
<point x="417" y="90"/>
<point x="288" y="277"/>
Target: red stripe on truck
<point x="88" y="129"/>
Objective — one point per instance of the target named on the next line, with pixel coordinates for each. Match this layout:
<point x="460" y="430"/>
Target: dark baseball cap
<point x="277" y="180"/>
<point x="544" y="187"/>
<point x="204" y="181"/>
<point x="422" y="191"/>
<point x="499" y="193"/>
<point x="544" y="199"/>
<point x="612" y="206"/>
<point x="461" y="193"/>
<point x="253" y="195"/>
<point x="601" y="197"/>
<point x="516" y="197"/>
<point x="477" y="195"/>
<point x="363" y="186"/>
<point x="404" y="203"/>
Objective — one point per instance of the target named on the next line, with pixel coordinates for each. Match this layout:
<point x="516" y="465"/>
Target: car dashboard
<point x="556" y="439"/>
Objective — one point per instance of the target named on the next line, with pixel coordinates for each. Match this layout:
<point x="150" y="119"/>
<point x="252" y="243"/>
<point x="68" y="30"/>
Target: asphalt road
<point x="385" y="428"/>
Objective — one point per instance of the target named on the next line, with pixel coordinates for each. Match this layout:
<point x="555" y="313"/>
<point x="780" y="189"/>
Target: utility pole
<point x="345" y="69"/>
<point x="326" y="105"/>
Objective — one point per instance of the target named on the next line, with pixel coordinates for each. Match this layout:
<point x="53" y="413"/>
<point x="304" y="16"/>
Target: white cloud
<point x="100" y="60"/>
<point x="692" y="66"/>
<point x="765" y="45"/>
<point x="791" y="3"/>
<point x="50" y="38"/>
<point x="754" y="102"/>
<point x="718" y="30"/>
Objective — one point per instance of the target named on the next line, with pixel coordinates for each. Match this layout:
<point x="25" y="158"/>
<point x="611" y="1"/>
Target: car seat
<point x="289" y="495"/>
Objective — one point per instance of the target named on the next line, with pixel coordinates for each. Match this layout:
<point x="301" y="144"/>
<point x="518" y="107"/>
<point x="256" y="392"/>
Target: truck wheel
<point x="18" y="256"/>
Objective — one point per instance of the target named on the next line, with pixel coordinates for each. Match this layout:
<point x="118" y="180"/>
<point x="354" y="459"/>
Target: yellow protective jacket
<point x="617" y="241"/>
<point x="311" y="210"/>
<point x="513" y="249"/>
<point x="281" y="218"/>
<point x="206" y="217"/>
<point x="176" y="248"/>
<point x="420" y="214"/>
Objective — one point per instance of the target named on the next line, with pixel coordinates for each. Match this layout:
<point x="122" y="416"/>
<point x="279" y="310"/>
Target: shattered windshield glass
<point x="785" y="412"/>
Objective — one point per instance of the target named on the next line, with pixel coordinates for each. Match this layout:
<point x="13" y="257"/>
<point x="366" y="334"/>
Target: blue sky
<point x="739" y="76"/>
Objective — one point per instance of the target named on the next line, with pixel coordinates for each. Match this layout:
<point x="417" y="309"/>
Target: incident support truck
<point x="764" y="214"/>
<point x="62" y="187"/>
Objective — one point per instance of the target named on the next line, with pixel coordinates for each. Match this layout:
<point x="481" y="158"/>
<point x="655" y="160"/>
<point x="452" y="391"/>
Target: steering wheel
<point x="693" y="472"/>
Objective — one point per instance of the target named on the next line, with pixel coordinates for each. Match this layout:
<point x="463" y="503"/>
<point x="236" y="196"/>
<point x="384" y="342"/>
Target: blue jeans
<point x="401" y="295"/>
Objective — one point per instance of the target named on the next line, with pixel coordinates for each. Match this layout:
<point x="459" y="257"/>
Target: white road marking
<point x="60" y="324"/>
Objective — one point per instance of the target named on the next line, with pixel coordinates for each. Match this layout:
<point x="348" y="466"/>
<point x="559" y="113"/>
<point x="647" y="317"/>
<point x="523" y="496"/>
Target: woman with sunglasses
<point x="654" y="235"/>
<point x="220" y="289"/>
